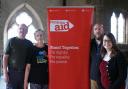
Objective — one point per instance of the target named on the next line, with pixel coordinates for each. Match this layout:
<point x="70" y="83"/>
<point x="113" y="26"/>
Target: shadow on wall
<point x="124" y="49"/>
<point x="126" y="55"/>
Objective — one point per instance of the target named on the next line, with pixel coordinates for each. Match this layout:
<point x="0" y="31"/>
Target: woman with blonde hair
<point x="37" y="69"/>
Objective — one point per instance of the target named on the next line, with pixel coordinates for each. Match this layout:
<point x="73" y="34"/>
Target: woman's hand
<point x="6" y="77"/>
<point x="25" y="85"/>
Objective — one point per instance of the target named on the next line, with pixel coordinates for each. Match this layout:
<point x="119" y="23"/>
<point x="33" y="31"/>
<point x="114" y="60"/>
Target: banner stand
<point x="69" y="33"/>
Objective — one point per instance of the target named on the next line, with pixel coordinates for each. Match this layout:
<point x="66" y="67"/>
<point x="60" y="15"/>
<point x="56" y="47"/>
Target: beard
<point x="98" y="37"/>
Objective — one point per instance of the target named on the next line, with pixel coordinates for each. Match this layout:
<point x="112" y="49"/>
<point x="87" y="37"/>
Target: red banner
<point x="69" y="31"/>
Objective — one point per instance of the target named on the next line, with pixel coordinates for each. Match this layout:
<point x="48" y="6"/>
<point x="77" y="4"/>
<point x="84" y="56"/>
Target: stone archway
<point x="28" y="7"/>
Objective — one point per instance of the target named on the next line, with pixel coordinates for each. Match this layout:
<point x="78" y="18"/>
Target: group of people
<point x="108" y="64"/>
<point x="25" y="62"/>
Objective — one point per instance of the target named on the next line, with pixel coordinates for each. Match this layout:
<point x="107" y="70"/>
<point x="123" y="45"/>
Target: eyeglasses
<point x="106" y="41"/>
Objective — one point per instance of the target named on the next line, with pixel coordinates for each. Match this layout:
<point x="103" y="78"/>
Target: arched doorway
<point x="18" y="16"/>
<point x="24" y="13"/>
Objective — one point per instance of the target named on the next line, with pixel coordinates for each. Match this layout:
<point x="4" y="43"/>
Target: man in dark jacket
<point x="96" y="44"/>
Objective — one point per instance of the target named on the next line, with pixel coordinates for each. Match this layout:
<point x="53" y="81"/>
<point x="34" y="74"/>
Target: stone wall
<point x="103" y="10"/>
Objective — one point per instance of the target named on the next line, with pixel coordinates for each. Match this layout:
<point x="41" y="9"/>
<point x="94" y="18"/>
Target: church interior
<point x="112" y="13"/>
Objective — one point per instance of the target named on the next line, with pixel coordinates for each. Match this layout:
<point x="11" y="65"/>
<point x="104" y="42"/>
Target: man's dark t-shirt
<point x="19" y="51"/>
<point x="39" y="66"/>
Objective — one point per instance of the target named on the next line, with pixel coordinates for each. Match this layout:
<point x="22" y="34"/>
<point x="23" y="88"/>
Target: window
<point x="118" y="28"/>
<point x="21" y="18"/>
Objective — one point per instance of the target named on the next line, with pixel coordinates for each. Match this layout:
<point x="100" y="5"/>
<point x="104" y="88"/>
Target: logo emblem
<point x="60" y="25"/>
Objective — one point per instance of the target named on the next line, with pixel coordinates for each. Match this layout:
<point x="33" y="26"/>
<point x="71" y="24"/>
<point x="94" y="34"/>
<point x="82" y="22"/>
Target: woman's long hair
<point x="114" y="46"/>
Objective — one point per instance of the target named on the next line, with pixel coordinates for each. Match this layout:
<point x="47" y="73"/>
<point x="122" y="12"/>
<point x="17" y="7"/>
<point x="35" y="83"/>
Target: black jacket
<point x="117" y="69"/>
<point x="94" y="59"/>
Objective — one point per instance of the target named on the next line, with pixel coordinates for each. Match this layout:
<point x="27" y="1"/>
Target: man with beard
<point x="96" y="44"/>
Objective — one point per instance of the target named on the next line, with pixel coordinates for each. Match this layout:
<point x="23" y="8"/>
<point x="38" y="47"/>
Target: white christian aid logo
<point x="60" y="25"/>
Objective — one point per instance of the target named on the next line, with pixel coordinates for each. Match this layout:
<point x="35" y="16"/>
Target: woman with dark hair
<point x="112" y="67"/>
